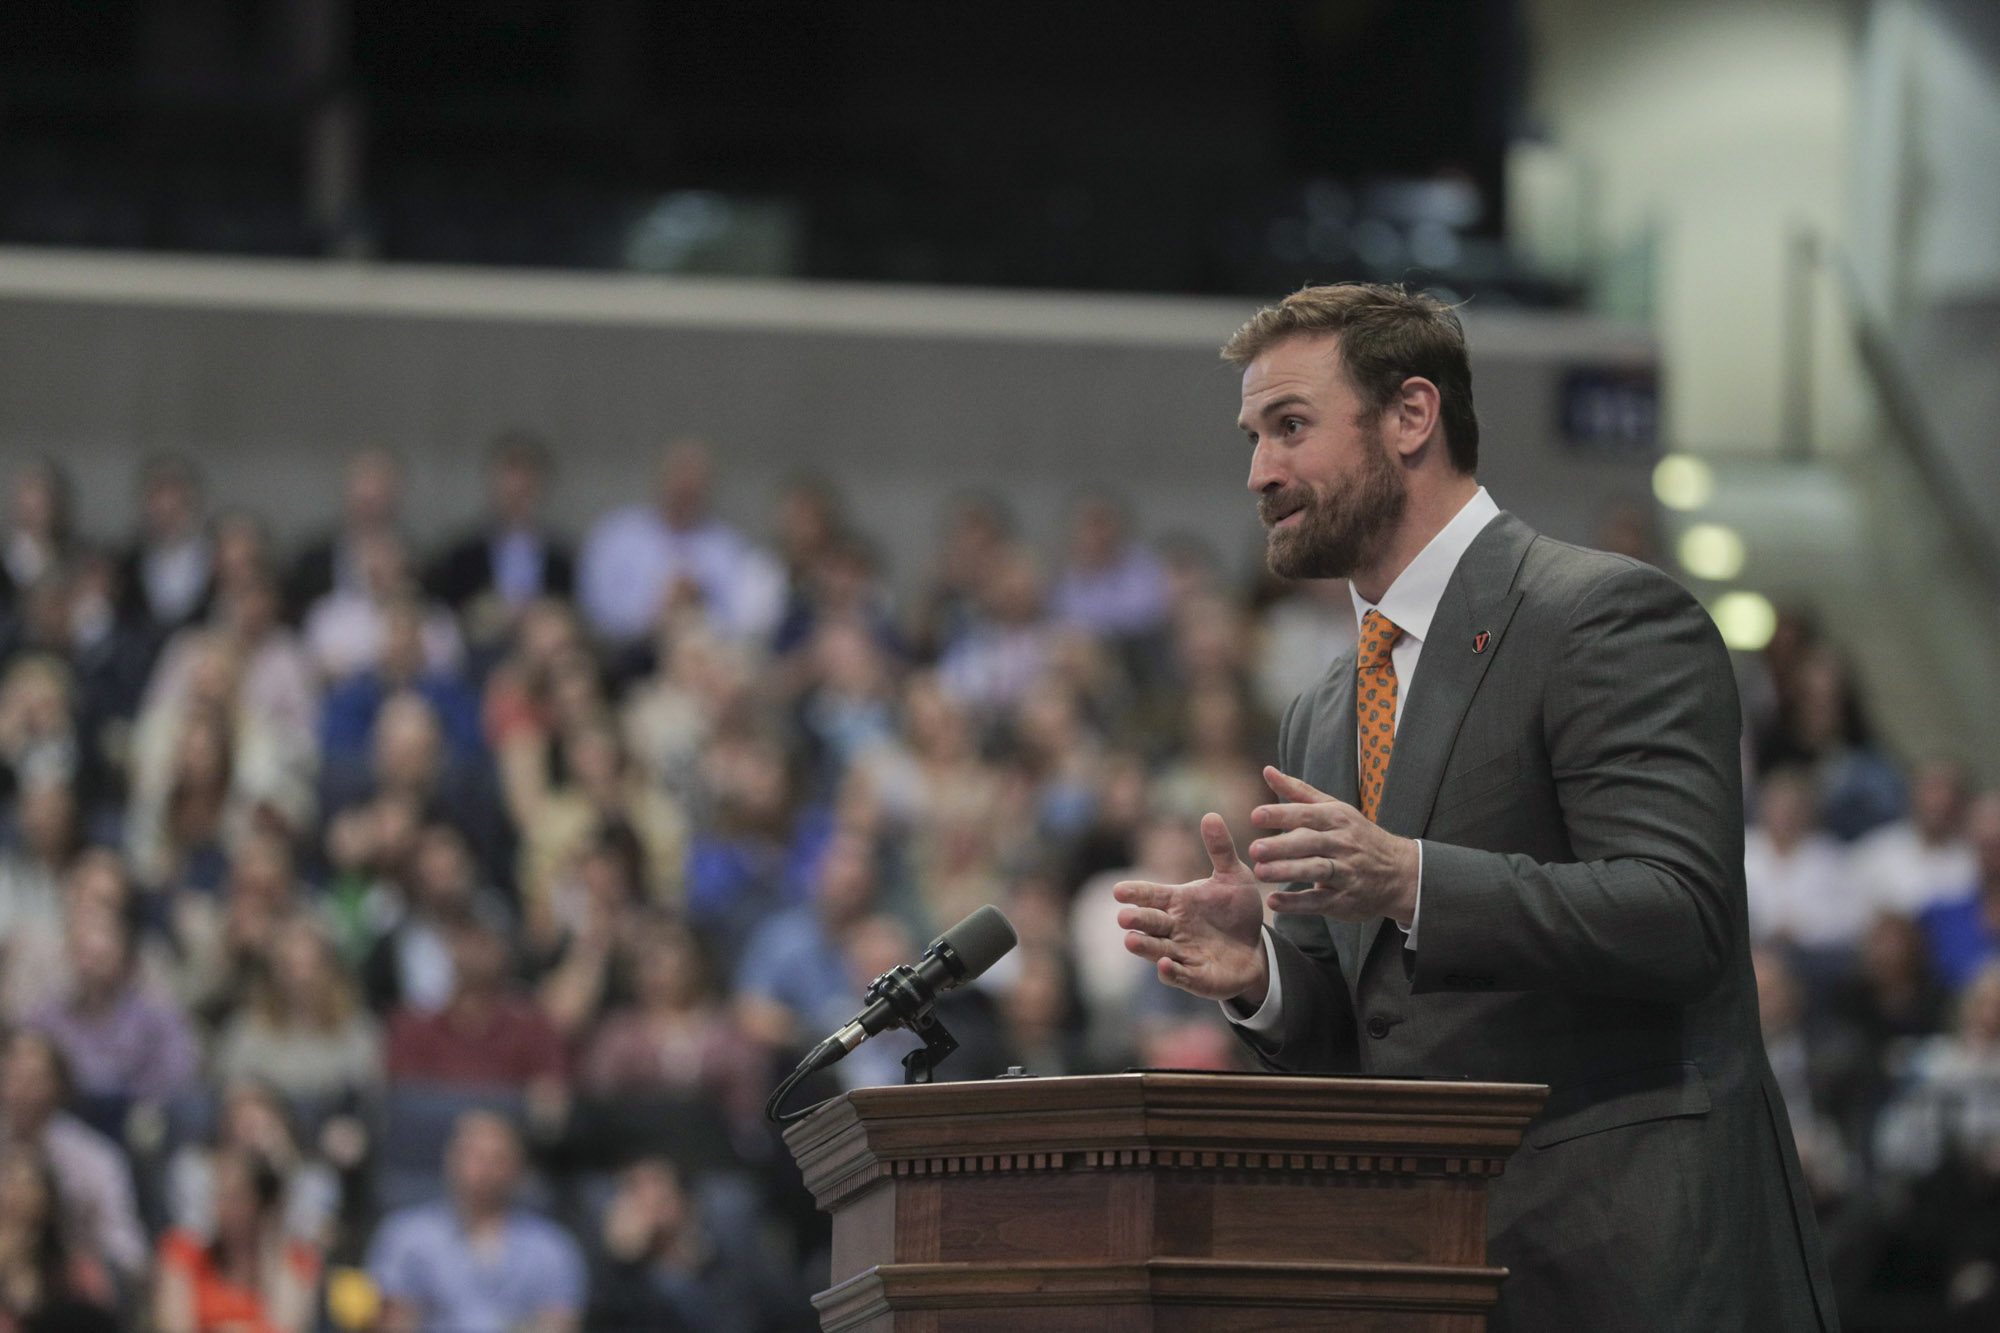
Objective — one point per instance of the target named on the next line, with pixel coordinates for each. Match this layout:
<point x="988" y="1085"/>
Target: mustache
<point x="1274" y="505"/>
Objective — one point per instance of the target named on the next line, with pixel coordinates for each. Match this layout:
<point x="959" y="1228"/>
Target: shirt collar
<point x="1412" y="600"/>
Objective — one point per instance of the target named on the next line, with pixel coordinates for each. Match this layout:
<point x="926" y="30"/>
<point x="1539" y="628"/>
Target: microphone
<point x="904" y="996"/>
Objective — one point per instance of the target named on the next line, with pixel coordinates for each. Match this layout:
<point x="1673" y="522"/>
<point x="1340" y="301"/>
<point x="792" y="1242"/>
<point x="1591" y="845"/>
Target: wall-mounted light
<point x="1683" y="482"/>
<point x="1747" y="620"/>
<point x="1711" y="551"/>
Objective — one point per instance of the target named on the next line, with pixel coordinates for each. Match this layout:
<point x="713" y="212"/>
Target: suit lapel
<point x="1478" y="600"/>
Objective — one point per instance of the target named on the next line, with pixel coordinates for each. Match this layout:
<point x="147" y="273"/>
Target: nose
<point x="1265" y="475"/>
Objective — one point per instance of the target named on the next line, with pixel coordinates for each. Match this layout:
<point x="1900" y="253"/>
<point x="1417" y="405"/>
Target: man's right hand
<point x="1205" y="937"/>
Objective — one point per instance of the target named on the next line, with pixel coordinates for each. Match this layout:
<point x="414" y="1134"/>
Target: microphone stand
<point x="938" y="1043"/>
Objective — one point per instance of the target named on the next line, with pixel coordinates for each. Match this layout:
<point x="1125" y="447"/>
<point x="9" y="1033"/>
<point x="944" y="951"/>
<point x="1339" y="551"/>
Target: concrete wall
<point x="270" y="372"/>
<point x="1709" y="130"/>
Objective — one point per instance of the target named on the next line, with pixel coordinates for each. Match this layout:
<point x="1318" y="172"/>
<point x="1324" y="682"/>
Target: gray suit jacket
<point x="1574" y="777"/>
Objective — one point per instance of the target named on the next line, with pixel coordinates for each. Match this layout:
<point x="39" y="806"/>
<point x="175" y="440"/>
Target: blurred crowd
<point x="403" y="930"/>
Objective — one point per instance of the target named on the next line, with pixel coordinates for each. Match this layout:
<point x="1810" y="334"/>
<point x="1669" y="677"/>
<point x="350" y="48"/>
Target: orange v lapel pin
<point x="1479" y="641"/>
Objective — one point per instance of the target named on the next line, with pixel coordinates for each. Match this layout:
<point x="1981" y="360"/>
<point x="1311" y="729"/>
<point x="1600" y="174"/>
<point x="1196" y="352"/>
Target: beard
<point x="1338" y="531"/>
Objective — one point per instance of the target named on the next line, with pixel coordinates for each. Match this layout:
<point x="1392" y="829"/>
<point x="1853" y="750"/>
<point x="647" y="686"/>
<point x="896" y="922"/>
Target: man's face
<point x="1328" y="492"/>
<point x="483" y="1163"/>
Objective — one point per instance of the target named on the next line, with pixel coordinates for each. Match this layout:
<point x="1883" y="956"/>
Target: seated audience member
<point x="843" y="585"/>
<point x="848" y="707"/>
<point x="701" y="685"/>
<point x="488" y="1034"/>
<point x="605" y="789"/>
<point x="1894" y="994"/>
<point x="371" y="494"/>
<point x="303" y="1032"/>
<point x="31" y="871"/>
<point x="976" y="534"/>
<point x="1111" y="585"/>
<point x="249" y="1275"/>
<point x="252" y="1122"/>
<point x="1821" y="727"/>
<point x="38" y="533"/>
<point x="223" y="944"/>
<point x="364" y="896"/>
<point x="36" y="953"/>
<point x="740" y="865"/>
<point x="1964" y="930"/>
<point x="39" y="742"/>
<point x="208" y="761"/>
<point x="410" y="964"/>
<point x="1796" y="873"/>
<point x="658" y="1266"/>
<point x="120" y="1041"/>
<point x="793" y="976"/>
<point x="1949" y="1106"/>
<point x="477" y="1262"/>
<point x="640" y="561"/>
<point x="490" y="574"/>
<point x="675" y="1039"/>
<point x="409" y="762"/>
<point x="582" y="955"/>
<point x="1039" y="1016"/>
<point x="49" y="1277"/>
<point x="169" y="572"/>
<point x="347" y="631"/>
<point x="347" y="719"/>
<point x="1914" y="862"/>
<point x="91" y="1173"/>
<point x="1309" y="625"/>
<point x="1009" y="646"/>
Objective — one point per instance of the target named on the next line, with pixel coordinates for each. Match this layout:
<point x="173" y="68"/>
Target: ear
<point x="1412" y="417"/>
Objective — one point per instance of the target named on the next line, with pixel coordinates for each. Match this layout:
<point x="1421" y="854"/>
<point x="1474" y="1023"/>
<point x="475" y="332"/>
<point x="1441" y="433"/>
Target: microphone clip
<point x="915" y="1007"/>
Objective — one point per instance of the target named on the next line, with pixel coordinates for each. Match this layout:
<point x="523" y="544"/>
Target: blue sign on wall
<point x="1613" y="410"/>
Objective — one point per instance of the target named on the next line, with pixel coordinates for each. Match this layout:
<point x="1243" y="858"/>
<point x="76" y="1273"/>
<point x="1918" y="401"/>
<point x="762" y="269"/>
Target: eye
<point x="1293" y="425"/>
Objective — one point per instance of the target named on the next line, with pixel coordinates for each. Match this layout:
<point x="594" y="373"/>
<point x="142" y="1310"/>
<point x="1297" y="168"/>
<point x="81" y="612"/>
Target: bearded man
<point x="1508" y="837"/>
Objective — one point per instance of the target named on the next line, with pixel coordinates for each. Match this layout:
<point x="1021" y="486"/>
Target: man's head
<point x="1982" y="826"/>
<point x="169" y="499"/>
<point x="483" y="1163"/>
<point x="686" y="476"/>
<point x="34" y="1081"/>
<point x="517" y="479"/>
<point x="1352" y="395"/>
<point x="372" y="490"/>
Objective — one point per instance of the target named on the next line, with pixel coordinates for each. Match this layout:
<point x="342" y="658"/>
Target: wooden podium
<point x="1161" y="1201"/>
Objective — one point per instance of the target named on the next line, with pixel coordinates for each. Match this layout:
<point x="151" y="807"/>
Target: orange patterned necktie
<point x="1375" y="705"/>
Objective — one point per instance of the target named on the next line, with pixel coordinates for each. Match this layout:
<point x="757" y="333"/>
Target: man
<point x="169" y="572"/>
<point x="1963" y="930"/>
<point x="490" y="574"/>
<point x="370" y="499"/>
<point x="477" y="1263"/>
<point x="643" y="560"/>
<point x="1512" y="828"/>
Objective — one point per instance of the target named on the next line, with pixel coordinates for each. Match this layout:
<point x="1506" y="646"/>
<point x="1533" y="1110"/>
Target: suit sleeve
<point x="1316" y="1018"/>
<point x="1642" y="723"/>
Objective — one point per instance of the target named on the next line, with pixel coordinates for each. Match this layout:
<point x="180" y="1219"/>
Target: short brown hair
<point x="1387" y="334"/>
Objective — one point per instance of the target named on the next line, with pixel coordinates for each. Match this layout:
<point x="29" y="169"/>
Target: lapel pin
<point x="1479" y="641"/>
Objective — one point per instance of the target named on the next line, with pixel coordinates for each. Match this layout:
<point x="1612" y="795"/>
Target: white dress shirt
<point x="1410" y="603"/>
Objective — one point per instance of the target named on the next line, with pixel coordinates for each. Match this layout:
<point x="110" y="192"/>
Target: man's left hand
<point x="1357" y="870"/>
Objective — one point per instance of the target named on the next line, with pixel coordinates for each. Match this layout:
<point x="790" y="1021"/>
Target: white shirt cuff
<point x="1417" y="909"/>
<point x="1263" y="1023"/>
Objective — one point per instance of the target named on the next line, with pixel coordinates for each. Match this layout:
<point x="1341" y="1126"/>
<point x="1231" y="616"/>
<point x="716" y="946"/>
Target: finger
<point x="1143" y="893"/>
<point x="1148" y="946"/>
<point x="1145" y="920"/>
<point x="1221" y="847"/>
<point x="1324" y="815"/>
<point x="1288" y="788"/>
<point x="1295" y="845"/>
<point x="1303" y="870"/>
<point x="1316" y="901"/>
